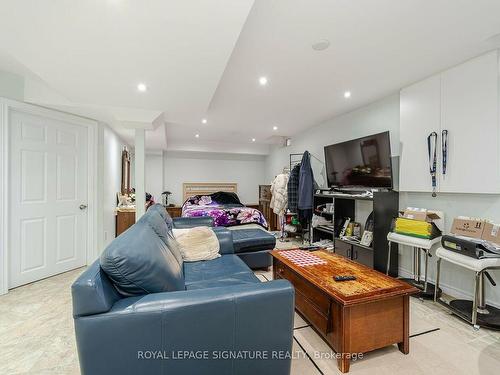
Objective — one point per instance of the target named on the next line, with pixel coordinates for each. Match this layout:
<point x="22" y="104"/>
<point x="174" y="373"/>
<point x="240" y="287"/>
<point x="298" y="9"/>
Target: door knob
<point x="83" y="206"/>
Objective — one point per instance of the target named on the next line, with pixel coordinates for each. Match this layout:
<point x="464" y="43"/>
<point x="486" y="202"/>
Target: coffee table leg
<point x="343" y="364"/>
<point x="404" y="346"/>
<point x="344" y="361"/>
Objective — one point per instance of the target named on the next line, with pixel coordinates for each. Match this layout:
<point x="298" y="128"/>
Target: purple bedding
<point x="224" y="214"/>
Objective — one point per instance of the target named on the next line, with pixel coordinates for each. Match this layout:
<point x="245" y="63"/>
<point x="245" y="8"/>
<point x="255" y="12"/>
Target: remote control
<point x="309" y="248"/>
<point x="344" y="278"/>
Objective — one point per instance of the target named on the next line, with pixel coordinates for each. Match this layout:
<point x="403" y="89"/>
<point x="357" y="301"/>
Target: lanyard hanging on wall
<point x="432" y="150"/>
<point x="444" y="149"/>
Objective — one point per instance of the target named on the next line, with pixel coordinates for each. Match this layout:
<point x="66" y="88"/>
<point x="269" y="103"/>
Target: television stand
<point x="383" y="204"/>
<point x="359" y="193"/>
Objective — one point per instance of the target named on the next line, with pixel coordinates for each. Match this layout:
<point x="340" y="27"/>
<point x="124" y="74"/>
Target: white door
<point x="48" y="183"/>
<point x="470" y="114"/>
<point x="420" y="112"/>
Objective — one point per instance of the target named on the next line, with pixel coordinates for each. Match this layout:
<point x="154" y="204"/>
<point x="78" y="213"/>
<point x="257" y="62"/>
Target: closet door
<point x="49" y="196"/>
<point x="420" y="114"/>
<point x="470" y="114"/>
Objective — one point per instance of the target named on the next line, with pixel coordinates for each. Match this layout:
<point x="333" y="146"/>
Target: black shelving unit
<point x="385" y="208"/>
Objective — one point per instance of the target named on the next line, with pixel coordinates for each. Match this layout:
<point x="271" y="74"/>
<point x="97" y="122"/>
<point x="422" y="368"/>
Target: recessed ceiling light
<point x="142" y="87"/>
<point x="204" y="121"/>
<point x="253" y="139"/>
<point x="321" y="45"/>
<point x="275" y="127"/>
<point x="263" y="81"/>
<point x="347" y="94"/>
<point x="197" y="135"/>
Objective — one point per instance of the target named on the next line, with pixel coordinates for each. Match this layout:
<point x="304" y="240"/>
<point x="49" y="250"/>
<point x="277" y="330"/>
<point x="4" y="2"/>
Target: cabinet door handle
<point x="355" y="254"/>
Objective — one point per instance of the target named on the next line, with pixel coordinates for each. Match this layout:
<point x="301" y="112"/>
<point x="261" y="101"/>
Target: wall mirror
<point x="125" y="188"/>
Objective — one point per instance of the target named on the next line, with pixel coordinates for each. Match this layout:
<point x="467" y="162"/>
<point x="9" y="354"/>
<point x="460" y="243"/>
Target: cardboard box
<point x="491" y="233"/>
<point x="420" y="214"/>
<point x="468" y="227"/>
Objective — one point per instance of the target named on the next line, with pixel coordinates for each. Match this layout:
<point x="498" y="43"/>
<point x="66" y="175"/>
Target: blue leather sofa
<point x="140" y="309"/>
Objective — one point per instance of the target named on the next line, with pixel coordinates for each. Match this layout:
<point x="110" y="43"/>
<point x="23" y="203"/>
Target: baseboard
<point x="447" y="289"/>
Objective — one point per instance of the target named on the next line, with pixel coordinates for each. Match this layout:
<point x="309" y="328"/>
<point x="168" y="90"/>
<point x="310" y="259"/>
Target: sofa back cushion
<point x="139" y="261"/>
<point x="161" y="222"/>
<point x="158" y="208"/>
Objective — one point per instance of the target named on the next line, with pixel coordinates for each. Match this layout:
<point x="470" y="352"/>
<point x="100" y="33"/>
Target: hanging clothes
<point x="279" y="194"/>
<point x="306" y="189"/>
<point x="293" y="189"/>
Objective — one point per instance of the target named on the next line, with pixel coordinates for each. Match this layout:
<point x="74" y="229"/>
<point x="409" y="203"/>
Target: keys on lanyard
<point x="432" y="150"/>
<point x="444" y="149"/>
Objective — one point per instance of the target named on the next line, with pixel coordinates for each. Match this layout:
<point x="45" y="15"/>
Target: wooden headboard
<point x="198" y="188"/>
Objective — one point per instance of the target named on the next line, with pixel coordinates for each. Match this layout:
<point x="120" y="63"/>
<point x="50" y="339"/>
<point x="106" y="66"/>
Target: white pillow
<point x="199" y="243"/>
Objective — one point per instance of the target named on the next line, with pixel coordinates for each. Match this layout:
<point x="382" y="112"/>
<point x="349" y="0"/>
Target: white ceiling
<point x="93" y="53"/>
<point x="376" y="48"/>
<point x="203" y="59"/>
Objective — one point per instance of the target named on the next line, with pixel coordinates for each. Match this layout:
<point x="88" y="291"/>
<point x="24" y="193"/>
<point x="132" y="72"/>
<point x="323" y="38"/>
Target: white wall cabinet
<point x="470" y="114"/>
<point x="420" y="111"/>
<point x="465" y="101"/>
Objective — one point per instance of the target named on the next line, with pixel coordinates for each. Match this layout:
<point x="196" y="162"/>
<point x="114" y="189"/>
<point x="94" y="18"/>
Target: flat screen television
<point x="360" y="163"/>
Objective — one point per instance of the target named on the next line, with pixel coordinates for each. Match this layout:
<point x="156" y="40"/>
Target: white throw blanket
<point x="279" y="197"/>
<point x="199" y="243"/>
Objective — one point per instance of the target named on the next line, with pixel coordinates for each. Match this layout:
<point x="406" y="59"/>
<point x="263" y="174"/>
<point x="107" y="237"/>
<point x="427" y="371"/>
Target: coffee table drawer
<point x="316" y="318"/>
<point x="315" y="296"/>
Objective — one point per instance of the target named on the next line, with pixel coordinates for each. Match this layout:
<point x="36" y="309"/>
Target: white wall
<point x="248" y="171"/>
<point x="154" y="175"/>
<point x="374" y="118"/>
<point x="11" y="86"/>
<point x="381" y="116"/>
<point x="110" y="164"/>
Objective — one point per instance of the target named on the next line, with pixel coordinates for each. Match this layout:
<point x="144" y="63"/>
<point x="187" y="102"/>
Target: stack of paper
<point x="414" y="228"/>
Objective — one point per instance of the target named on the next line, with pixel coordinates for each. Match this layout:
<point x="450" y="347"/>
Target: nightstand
<point x="174" y="211"/>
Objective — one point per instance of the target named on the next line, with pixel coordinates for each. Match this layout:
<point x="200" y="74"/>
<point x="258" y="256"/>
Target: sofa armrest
<point x="258" y="293"/>
<point x="93" y="292"/>
<point x="239" y="319"/>
<point x="191" y="222"/>
<point x="225" y="237"/>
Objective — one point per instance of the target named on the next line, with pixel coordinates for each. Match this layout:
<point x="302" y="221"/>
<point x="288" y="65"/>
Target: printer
<point x="472" y="247"/>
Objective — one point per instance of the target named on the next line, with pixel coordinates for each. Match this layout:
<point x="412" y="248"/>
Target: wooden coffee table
<point x="353" y="317"/>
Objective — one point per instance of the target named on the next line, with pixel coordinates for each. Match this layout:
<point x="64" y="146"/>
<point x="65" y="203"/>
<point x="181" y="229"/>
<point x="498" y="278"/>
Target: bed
<point x="225" y="208"/>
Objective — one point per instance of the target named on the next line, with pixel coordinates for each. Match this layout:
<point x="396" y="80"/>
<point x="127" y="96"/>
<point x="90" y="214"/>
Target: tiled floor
<point x="36" y="328"/>
<point x="36" y="337"/>
<point x="441" y="344"/>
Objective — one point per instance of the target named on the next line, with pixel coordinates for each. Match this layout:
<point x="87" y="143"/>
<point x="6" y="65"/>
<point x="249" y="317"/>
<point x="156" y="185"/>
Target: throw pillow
<point x="199" y="243"/>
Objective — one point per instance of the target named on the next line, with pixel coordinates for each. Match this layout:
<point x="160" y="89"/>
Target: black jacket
<point x="306" y="189"/>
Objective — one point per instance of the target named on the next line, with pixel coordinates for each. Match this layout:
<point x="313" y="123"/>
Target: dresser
<point x="124" y="220"/>
<point x="265" y="208"/>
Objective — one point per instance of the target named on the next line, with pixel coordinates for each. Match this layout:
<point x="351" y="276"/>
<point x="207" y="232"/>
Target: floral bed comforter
<point x="224" y="214"/>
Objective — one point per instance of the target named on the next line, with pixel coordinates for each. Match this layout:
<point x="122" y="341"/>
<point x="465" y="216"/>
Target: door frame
<point x="6" y="107"/>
